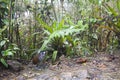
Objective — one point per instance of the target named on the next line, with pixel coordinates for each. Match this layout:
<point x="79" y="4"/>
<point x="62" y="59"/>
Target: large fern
<point x="59" y="30"/>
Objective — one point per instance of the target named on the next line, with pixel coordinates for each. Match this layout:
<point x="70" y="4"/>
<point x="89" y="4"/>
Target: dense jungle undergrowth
<point x="39" y="37"/>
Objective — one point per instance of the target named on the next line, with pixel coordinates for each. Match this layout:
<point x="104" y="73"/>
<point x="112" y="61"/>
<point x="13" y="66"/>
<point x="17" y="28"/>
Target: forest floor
<point x="100" y="66"/>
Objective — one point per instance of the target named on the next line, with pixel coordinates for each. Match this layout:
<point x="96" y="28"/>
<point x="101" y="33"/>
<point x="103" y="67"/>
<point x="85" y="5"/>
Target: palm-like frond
<point x="60" y="35"/>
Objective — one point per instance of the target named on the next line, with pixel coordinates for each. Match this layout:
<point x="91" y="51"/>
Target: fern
<point x="58" y="33"/>
<point x="61" y="36"/>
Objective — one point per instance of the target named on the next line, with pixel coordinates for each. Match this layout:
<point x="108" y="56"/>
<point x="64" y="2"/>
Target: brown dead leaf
<point x="81" y="60"/>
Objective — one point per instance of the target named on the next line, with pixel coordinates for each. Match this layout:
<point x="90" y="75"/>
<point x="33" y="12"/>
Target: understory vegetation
<point x="60" y="27"/>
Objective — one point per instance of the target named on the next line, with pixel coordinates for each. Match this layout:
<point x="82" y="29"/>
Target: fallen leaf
<point x="81" y="60"/>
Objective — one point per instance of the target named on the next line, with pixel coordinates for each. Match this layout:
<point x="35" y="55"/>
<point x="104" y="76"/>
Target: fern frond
<point x="59" y="33"/>
<point x="44" y="25"/>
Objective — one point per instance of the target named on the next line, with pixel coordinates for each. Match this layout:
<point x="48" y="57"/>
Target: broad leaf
<point x="8" y="52"/>
<point x="2" y="43"/>
<point x="4" y="62"/>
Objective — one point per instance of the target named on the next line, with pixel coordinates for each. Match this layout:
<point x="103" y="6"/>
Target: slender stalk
<point x="10" y="17"/>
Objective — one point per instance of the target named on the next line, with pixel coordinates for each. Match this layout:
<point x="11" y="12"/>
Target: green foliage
<point x="3" y="11"/>
<point x="95" y="1"/>
<point x="54" y="56"/>
<point x="111" y="10"/>
<point x="118" y="5"/>
<point x="114" y="21"/>
<point x="62" y="37"/>
<point x="2" y="60"/>
<point x="10" y="51"/>
<point x="104" y="26"/>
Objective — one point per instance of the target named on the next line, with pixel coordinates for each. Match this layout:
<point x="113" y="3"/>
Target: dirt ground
<point x="100" y="66"/>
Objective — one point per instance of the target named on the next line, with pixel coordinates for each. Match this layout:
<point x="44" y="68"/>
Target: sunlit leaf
<point x="95" y="36"/>
<point x="7" y="52"/>
<point x="16" y="48"/>
<point x="2" y="43"/>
